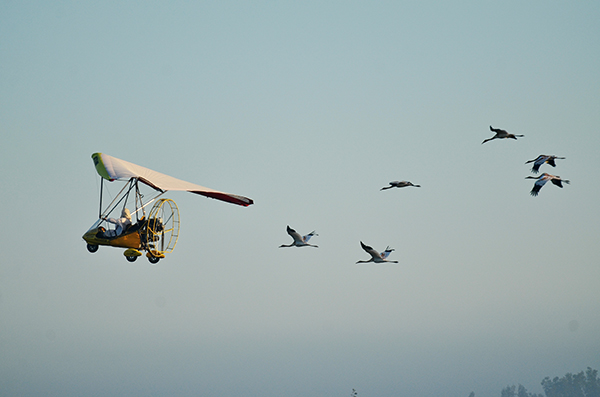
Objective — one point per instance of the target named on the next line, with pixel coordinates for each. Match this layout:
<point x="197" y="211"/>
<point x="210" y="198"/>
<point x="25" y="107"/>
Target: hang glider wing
<point x="112" y="168"/>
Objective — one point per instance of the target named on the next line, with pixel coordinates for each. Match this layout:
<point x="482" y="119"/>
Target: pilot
<point x="122" y="223"/>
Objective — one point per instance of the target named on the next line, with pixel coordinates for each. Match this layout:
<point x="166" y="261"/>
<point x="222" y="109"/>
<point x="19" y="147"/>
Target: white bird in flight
<point x="299" y="241"/>
<point x="376" y="256"/>
<point x="542" y="179"/>
<point x="541" y="159"/>
<point x="399" y="184"/>
<point x="501" y="134"/>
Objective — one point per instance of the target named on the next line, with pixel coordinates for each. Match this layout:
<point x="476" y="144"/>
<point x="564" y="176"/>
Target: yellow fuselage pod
<point x="125" y="240"/>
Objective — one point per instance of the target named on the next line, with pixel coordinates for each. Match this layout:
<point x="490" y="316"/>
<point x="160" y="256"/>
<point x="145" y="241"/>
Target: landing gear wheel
<point x="92" y="248"/>
<point x="154" y="260"/>
<point x="131" y="258"/>
<point x="162" y="229"/>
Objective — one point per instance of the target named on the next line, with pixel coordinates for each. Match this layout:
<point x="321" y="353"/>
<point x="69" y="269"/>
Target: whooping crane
<point x="376" y="256"/>
<point x="399" y="184"/>
<point x="542" y="179"/>
<point x="541" y="159"/>
<point x="299" y="241"/>
<point x="500" y="134"/>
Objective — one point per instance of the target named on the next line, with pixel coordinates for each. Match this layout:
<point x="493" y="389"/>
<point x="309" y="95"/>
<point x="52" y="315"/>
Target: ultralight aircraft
<point x="155" y="232"/>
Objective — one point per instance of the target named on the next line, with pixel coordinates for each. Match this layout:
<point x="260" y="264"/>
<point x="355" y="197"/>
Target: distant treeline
<point x="583" y="384"/>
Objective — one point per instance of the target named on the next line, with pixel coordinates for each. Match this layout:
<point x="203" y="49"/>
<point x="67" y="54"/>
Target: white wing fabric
<point x="112" y="168"/>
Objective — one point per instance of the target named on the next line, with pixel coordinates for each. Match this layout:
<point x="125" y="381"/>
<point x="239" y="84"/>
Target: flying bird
<point x="376" y="256"/>
<point x="501" y="134"/>
<point x="541" y="181"/>
<point x="399" y="184"/>
<point x="299" y="241"/>
<point x="541" y="159"/>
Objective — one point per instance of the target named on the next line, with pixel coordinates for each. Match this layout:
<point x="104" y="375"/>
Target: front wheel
<point x="153" y="259"/>
<point x="131" y="258"/>
<point x="92" y="248"/>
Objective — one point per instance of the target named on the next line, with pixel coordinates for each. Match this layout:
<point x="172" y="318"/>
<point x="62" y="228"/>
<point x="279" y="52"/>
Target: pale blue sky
<point x="309" y="108"/>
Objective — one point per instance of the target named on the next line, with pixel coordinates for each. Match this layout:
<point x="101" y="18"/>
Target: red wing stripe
<point x="230" y="198"/>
